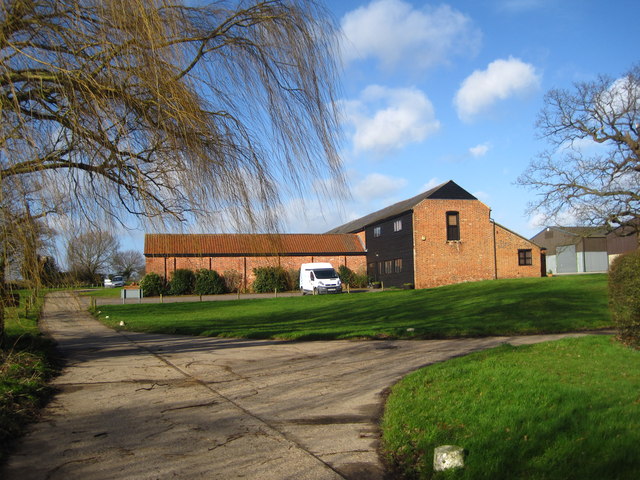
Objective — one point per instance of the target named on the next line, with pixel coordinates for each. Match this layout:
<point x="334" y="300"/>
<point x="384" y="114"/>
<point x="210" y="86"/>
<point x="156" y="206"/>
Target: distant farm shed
<point x="583" y="249"/>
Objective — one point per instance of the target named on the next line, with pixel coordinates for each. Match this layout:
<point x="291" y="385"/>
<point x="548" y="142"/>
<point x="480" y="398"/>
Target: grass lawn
<point x="25" y="367"/>
<point x="499" y="307"/>
<point x="559" y="410"/>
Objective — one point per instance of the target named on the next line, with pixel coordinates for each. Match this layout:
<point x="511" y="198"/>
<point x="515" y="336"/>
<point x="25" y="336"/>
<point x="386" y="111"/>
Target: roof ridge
<point x="448" y="189"/>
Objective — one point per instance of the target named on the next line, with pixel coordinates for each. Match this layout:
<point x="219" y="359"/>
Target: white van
<point x="319" y="278"/>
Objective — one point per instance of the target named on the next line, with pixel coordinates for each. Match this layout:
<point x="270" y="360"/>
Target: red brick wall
<point x="245" y="265"/>
<point x="507" y="246"/>
<point x="439" y="262"/>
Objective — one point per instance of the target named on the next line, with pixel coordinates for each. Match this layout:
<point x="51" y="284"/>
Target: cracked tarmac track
<point x="142" y="406"/>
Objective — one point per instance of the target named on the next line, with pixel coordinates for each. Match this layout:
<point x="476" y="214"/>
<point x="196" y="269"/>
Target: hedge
<point x="624" y="297"/>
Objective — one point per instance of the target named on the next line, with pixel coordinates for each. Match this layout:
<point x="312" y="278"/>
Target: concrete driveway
<point x="140" y="406"/>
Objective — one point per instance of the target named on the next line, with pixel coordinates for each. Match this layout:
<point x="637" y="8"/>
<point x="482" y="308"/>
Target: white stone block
<point x="447" y="457"/>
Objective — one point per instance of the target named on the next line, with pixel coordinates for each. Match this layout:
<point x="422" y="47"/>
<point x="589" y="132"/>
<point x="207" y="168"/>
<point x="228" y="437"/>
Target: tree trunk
<point x="3" y="296"/>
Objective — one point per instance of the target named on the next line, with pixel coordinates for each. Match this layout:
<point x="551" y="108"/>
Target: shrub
<point x="269" y="279"/>
<point x="152" y="285"/>
<point x="360" y="280"/>
<point x="182" y="282"/>
<point x="294" y="279"/>
<point x="232" y="280"/>
<point x="209" y="282"/>
<point x="346" y="275"/>
<point x="624" y="297"/>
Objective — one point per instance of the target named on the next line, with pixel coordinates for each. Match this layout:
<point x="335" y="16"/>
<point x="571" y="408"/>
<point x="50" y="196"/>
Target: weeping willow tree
<point x="158" y="109"/>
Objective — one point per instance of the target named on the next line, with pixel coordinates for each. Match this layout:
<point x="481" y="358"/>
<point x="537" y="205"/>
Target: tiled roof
<point x="446" y="191"/>
<point x="161" y="244"/>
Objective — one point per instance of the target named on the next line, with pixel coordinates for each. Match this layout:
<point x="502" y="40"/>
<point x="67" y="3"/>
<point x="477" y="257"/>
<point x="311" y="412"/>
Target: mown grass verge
<point x="501" y="307"/>
<point x="26" y="364"/>
<point x="560" y="410"/>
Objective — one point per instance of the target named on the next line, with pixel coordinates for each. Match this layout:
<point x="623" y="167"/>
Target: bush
<point x="269" y="279"/>
<point x="209" y="282"/>
<point x="624" y="297"/>
<point x="294" y="279"/>
<point x="360" y="280"/>
<point x="351" y="278"/>
<point x="346" y="275"/>
<point x="152" y="285"/>
<point x="232" y="280"/>
<point x="182" y="282"/>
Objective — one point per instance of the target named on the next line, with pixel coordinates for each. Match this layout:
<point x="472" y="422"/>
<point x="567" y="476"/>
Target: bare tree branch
<point x="592" y="170"/>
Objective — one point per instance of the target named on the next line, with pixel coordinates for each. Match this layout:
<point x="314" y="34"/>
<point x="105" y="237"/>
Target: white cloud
<point x="317" y="215"/>
<point x="377" y="186"/>
<point x="432" y="183"/>
<point x="501" y="80"/>
<point x="387" y="119"/>
<point x="621" y="99"/>
<point x="393" y="32"/>
<point x="309" y="216"/>
<point x="479" y="150"/>
<point x="537" y="220"/>
<point x="566" y="218"/>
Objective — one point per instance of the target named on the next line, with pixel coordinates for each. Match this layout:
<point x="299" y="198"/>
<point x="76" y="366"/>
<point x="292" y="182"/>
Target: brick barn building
<point x="166" y="253"/>
<point x="440" y="237"/>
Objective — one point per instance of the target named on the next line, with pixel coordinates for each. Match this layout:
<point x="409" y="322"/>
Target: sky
<point x="438" y="91"/>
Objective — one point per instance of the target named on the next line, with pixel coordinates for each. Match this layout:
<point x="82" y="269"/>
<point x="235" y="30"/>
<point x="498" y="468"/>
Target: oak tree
<point x="592" y="169"/>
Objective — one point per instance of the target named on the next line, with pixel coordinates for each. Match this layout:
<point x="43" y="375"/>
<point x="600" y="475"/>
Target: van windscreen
<point x="325" y="273"/>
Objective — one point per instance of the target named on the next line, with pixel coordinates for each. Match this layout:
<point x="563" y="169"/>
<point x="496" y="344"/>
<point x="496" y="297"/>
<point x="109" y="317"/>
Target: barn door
<point x="566" y="259"/>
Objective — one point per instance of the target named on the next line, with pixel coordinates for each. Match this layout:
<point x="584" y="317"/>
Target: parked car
<point x="115" y="281"/>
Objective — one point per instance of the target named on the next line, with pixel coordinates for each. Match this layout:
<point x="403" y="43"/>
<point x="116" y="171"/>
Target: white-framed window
<point x="377" y="231"/>
<point x="397" y="225"/>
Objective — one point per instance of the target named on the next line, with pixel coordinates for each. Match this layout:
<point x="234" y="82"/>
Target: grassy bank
<point x="25" y="367"/>
<point x="501" y="307"/>
<point x="560" y="410"/>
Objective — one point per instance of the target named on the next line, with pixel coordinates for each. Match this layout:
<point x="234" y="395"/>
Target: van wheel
<point x="315" y="291"/>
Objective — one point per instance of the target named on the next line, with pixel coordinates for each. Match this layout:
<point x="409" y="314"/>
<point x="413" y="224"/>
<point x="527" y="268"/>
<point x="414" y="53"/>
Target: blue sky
<point x="440" y="91"/>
